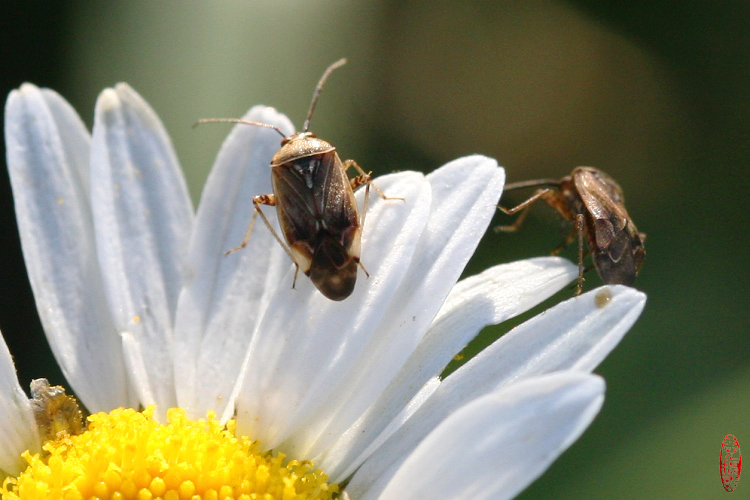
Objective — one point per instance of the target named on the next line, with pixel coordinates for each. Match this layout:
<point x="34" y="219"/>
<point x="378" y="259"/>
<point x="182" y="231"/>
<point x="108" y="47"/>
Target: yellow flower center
<point x="127" y="455"/>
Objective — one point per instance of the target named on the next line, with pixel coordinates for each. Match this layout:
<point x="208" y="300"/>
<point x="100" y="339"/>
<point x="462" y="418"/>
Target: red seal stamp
<point x="730" y="462"/>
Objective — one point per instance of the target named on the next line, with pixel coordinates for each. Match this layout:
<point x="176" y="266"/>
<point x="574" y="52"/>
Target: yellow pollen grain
<point x="127" y="455"/>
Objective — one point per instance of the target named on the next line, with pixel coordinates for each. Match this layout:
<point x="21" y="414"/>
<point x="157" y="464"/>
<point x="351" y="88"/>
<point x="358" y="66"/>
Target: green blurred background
<point x="655" y="93"/>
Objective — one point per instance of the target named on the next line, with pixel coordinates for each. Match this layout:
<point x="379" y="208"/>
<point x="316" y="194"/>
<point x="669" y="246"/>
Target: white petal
<point x="352" y="436"/>
<point x="48" y="149"/>
<point x="465" y="194"/>
<point x="574" y="335"/>
<point x="306" y="343"/>
<point x="488" y="298"/>
<point x="498" y="444"/>
<point x="143" y="218"/>
<point x="18" y="429"/>
<point x="225" y="296"/>
<point x="74" y="138"/>
<point x="504" y="291"/>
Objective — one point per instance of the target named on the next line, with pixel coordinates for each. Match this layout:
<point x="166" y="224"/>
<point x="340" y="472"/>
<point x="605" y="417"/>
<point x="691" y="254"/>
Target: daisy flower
<point x="209" y="376"/>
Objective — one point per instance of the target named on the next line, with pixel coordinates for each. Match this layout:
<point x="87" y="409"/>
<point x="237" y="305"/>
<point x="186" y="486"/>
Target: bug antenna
<point x="316" y="94"/>
<point x="534" y="183"/>
<point x="235" y="120"/>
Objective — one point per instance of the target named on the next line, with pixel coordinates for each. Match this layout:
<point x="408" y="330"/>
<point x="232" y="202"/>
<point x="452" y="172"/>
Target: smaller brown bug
<point x="55" y="412"/>
<point x="315" y="204"/>
<point x="595" y="203"/>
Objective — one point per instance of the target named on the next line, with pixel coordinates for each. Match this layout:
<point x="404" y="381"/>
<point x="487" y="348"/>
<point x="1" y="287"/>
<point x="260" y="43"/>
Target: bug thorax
<point x="570" y="198"/>
<point x="298" y="146"/>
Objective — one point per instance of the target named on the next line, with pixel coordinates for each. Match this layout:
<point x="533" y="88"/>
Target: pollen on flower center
<point x="128" y="455"/>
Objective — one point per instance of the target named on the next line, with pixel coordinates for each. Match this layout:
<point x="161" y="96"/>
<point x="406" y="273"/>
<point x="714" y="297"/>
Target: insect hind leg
<point x="547" y="195"/>
<point x="363" y="268"/>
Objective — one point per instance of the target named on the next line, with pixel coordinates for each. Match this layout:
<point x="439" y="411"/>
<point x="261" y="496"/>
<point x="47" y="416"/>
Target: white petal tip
<point x="108" y="101"/>
<point x="608" y="295"/>
<point x="123" y="87"/>
<point x="28" y="88"/>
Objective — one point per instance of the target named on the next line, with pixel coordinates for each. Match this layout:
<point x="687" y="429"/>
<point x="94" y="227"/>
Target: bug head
<point x="602" y="180"/>
<point x="299" y="146"/>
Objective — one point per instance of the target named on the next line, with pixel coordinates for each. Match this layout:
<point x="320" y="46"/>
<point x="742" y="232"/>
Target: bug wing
<point x="333" y="192"/>
<point x="318" y="215"/>
<point x="295" y="204"/>
<point x="334" y="266"/>
<point x="615" y="242"/>
<point x="313" y="195"/>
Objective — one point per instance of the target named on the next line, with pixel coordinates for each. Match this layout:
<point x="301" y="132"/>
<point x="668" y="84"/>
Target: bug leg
<point x="364" y="178"/>
<point x="523" y="207"/>
<point x="517" y="224"/>
<point x="269" y="199"/>
<point x="581" y="270"/>
<point x="296" y="272"/>
<point x="363" y="268"/>
<point x="265" y="199"/>
<point x="587" y="269"/>
<point x="247" y="234"/>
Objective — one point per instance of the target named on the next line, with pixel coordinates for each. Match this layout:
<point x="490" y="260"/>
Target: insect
<point x="594" y="202"/>
<point x="55" y="412"/>
<point x="315" y="204"/>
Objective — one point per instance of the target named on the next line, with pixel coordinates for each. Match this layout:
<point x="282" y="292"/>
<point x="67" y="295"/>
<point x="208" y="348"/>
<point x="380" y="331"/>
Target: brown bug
<point x="595" y="203"/>
<point x="315" y="204"/>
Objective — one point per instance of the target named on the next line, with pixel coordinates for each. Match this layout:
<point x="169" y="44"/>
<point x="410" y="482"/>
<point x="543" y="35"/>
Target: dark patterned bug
<point x="594" y="202"/>
<point x="315" y="204"/>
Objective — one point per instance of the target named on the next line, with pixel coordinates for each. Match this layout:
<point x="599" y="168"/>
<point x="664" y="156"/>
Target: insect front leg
<point x="547" y="195"/>
<point x="364" y="179"/>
